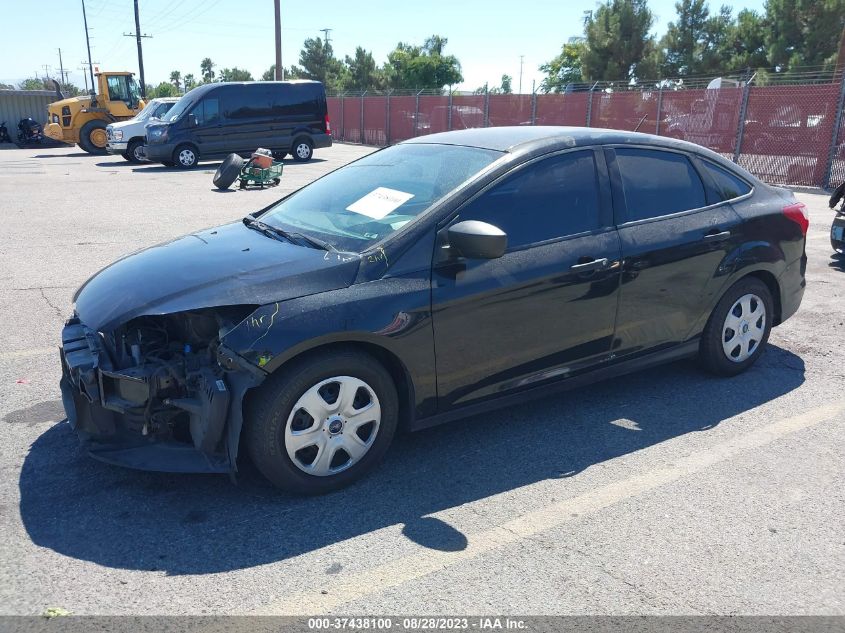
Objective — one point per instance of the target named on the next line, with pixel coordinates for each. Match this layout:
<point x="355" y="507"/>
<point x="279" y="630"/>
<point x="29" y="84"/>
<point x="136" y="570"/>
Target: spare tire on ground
<point x="228" y="171"/>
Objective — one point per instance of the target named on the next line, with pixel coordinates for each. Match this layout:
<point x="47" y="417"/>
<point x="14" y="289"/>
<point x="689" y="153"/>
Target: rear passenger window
<point x="728" y="186"/>
<point x="658" y="183"/>
<point x="297" y="99"/>
<point x="552" y="198"/>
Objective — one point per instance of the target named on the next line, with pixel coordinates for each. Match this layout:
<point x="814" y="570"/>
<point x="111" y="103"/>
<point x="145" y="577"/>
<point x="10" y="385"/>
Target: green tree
<point x="563" y="69"/>
<point x="318" y="62"/>
<point x="362" y="72"/>
<point x="422" y="67"/>
<point x="804" y="32"/>
<point x="190" y="82"/>
<point x="507" y="85"/>
<point x="235" y="74"/>
<point x="32" y="83"/>
<point x="164" y="89"/>
<point x="290" y="73"/>
<point x="207" y="69"/>
<point x="617" y="40"/>
<point x="176" y="79"/>
<point x="681" y="45"/>
<point x="746" y="41"/>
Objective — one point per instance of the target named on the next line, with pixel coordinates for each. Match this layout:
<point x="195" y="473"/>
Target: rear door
<point x="546" y="308"/>
<point x="676" y="234"/>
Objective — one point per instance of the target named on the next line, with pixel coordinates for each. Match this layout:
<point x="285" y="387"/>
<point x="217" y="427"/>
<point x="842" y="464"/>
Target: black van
<point x="215" y="120"/>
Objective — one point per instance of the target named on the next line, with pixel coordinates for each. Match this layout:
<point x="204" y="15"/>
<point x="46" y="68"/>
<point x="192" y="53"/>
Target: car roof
<point x="201" y="90"/>
<point x="524" y="139"/>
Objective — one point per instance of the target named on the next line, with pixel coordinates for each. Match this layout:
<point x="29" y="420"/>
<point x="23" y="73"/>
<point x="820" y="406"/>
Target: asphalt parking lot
<point x="663" y="492"/>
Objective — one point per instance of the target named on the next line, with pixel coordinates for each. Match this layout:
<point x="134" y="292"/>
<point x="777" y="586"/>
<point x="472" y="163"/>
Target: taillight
<point x="797" y="212"/>
<point x="328" y="125"/>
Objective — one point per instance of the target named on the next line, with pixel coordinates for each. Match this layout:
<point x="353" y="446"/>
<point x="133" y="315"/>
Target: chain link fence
<point x="790" y="133"/>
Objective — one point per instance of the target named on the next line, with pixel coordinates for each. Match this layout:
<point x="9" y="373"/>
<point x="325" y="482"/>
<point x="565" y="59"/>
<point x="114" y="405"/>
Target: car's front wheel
<point x="738" y="328"/>
<point x="185" y="156"/>
<point x="322" y="422"/>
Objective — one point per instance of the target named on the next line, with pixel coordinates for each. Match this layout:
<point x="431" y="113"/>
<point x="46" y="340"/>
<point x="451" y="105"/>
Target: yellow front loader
<point x="83" y="120"/>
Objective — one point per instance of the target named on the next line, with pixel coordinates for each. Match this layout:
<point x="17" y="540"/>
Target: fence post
<point x="361" y="130"/>
<point x="828" y="170"/>
<point x="740" y="125"/>
<point x="449" y="118"/>
<point x="342" y="119"/>
<point x="486" y="106"/>
<point x="590" y="105"/>
<point x="387" y="127"/>
<point x="659" y="108"/>
<point x="417" y="112"/>
<point x="533" y="103"/>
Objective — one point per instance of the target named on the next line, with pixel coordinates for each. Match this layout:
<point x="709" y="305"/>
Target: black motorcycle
<point x="837" y="231"/>
<point x="4" y="133"/>
<point x="29" y="131"/>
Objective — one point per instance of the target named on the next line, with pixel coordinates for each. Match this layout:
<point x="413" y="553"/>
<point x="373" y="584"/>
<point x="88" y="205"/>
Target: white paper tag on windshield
<point x="379" y="202"/>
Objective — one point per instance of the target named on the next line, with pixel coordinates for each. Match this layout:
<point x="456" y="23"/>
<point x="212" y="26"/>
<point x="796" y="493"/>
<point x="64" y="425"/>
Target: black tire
<point x="228" y="171"/>
<point x="135" y="151"/>
<point x="85" y="141"/>
<point x="268" y="410"/>
<point x="712" y="350"/>
<point x="186" y="156"/>
<point x="302" y="149"/>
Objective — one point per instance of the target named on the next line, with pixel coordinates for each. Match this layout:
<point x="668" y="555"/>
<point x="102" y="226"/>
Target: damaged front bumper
<point x="151" y="416"/>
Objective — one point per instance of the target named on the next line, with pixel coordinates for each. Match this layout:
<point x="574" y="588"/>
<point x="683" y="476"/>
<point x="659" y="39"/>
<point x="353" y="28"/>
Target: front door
<point x="546" y="308"/>
<point x="208" y="132"/>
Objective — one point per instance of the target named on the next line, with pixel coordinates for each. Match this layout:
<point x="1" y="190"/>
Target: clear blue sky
<point x="487" y="36"/>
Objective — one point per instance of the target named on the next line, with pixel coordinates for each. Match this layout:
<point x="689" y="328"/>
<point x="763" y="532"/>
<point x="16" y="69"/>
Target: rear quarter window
<point x="728" y="185"/>
<point x="658" y="183"/>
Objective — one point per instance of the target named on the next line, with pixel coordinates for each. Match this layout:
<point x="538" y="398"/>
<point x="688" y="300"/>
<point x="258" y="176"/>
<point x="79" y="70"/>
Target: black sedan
<point x="428" y="281"/>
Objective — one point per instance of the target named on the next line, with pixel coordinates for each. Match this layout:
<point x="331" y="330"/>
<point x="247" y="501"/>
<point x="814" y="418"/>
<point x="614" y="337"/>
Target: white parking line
<point x="27" y="353"/>
<point x="344" y="589"/>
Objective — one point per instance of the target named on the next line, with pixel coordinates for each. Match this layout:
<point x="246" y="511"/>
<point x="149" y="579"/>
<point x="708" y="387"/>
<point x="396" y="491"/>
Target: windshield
<point x="134" y="90"/>
<point x="152" y="109"/>
<point x="181" y="106"/>
<point x="364" y="202"/>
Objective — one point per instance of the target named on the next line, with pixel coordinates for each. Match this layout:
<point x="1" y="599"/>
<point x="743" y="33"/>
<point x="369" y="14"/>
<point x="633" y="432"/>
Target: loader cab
<point x="121" y="94"/>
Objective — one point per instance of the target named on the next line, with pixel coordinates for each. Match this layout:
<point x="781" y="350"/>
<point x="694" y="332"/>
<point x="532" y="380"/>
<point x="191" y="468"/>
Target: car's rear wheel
<point x="322" y="422"/>
<point x="302" y="149"/>
<point x="738" y="328"/>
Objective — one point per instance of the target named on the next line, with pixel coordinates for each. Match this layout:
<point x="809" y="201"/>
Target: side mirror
<point x="477" y="240"/>
<point x="192" y="120"/>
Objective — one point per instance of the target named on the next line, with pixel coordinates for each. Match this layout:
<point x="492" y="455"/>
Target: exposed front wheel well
<point x="774" y="288"/>
<point x="397" y="370"/>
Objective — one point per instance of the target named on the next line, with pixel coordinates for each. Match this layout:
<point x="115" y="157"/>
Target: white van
<point x="128" y="138"/>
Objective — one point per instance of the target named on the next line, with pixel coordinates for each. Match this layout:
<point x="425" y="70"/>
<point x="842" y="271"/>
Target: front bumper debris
<point x="147" y="416"/>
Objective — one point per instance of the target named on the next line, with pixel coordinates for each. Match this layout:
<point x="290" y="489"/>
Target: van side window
<point x="207" y="112"/>
<point x="297" y="99"/>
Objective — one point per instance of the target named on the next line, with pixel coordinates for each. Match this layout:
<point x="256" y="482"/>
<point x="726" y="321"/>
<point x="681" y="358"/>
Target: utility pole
<point x="88" y="44"/>
<point x="46" y="68"/>
<point x="62" y="76"/>
<point x="84" y="76"/>
<point x="280" y="71"/>
<point x="84" y="68"/>
<point x="521" y="58"/>
<point x="137" y="35"/>
<point x="326" y="37"/>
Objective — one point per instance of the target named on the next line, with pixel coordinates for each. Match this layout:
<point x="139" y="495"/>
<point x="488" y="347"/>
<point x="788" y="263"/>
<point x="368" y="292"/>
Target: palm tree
<point x="176" y="79"/>
<point x="207" y="68"/>
<point x="190" y="82"/>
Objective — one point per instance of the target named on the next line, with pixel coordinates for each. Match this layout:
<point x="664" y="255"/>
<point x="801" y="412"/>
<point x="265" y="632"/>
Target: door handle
<point x="586" y="267"/>
<point x="717" y="236"/>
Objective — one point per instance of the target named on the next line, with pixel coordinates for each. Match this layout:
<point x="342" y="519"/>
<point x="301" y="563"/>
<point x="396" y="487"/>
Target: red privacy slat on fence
<point x="568" y="109"/>
<point x="787" y="131"/>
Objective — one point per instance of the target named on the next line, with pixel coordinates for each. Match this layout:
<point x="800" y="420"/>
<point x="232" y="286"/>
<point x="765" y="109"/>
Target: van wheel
<point x="135" y="152"/>
<point x="302" y="149"/>
<point x="93" y="137"/>
<point x="185" y="156"/>
<point x="322" y="422"/>
<point x="228" y="171"/>
<point x="738" y="328"/>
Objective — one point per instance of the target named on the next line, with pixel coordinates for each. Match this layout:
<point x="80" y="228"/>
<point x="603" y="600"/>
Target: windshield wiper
<point x="276" y="232"/>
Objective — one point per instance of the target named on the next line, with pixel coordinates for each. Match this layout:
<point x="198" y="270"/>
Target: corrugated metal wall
<point x="20" y="104"/>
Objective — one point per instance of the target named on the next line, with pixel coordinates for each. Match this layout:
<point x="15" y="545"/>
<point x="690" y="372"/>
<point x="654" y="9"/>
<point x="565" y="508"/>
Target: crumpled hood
<point x="221" y="266"/>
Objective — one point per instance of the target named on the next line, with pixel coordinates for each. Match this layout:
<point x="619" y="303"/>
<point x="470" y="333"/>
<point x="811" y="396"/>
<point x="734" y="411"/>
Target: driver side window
<point x="552" y="198"/>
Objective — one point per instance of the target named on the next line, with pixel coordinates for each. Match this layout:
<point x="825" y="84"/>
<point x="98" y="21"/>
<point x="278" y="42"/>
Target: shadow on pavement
<point x="199" y="524"/>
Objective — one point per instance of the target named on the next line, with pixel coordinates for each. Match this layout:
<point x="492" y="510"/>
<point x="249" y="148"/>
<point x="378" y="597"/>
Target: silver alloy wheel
<point x="139" y="153"/>
<point x="332" y="425"/>
<point x="187" y="157"/>
<point x="303" y="150"/>
<point x="744" y="328"/>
